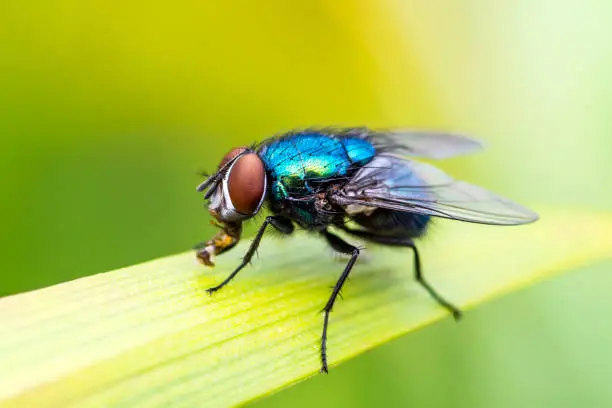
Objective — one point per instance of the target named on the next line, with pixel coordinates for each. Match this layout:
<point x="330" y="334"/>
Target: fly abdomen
<point x="391" y="223"/>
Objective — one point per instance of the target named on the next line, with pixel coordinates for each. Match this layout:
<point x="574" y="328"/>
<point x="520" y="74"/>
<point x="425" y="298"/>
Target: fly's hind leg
<point x="418" y="271"/>
<point x="418" y="274"/>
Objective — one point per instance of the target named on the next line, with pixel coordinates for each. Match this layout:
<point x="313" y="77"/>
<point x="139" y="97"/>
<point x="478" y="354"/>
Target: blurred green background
<point x="108" y="109"/>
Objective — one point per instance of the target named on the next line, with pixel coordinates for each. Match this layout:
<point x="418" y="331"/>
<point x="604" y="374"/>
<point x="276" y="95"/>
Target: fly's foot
<point x="454" y="310"/>
<point x="457" y="314"/>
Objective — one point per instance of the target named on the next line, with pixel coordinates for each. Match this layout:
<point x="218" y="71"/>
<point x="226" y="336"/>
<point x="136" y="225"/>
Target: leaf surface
<point x="148" y="335"/>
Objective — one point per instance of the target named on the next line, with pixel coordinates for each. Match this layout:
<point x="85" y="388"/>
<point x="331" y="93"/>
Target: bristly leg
<point x="282" y="224"/>
<point x="418" y="272"/>
<point x="341" y="246"/>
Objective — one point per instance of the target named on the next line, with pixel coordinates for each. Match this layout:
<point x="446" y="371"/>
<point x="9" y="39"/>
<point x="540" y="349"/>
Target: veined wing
<point x="394" y="183"/>
<point x="432" y="145"/>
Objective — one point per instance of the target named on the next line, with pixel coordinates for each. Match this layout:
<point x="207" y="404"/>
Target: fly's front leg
<point x="282" y="224"/>
<point x="418" y="272"/>
<point x="341" y="246"/>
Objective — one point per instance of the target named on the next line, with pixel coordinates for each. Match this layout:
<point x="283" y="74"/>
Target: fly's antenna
<point x="213" y="181"/>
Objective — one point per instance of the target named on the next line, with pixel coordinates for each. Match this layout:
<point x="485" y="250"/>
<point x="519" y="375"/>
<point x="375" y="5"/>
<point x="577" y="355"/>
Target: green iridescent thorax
<point x="300" y="163"/>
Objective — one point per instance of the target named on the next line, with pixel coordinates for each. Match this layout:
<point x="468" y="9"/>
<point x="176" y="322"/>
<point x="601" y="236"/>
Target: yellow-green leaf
<point x="148" y="335"/>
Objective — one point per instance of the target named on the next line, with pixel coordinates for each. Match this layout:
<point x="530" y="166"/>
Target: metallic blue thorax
<point x="301" y="162"/>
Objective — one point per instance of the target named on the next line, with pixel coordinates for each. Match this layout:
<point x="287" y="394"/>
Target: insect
<point x="357" y="180"/>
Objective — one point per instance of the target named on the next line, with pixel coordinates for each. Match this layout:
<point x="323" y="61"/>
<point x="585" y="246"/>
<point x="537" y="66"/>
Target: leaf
<point x="148" y="335"/>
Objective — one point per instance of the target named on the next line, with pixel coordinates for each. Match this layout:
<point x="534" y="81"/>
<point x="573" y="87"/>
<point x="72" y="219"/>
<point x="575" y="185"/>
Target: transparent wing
<point x="394" y="183"/>
<point x="433" y="145"/>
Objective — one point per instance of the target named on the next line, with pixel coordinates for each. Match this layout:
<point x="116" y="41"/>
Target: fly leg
<point x="281" y="224"/>
<point x="418" y="271"/>
<point x="418" y="274"/>
<point x="339" y="245"/>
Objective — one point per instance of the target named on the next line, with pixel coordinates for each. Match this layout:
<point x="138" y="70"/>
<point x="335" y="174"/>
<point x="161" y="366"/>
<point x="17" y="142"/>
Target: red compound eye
<point x="247" y="183"/>
<point x="231" y="154"/>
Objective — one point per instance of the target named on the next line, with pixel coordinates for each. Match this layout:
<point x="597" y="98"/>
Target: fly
<point x="322" y="178"/>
